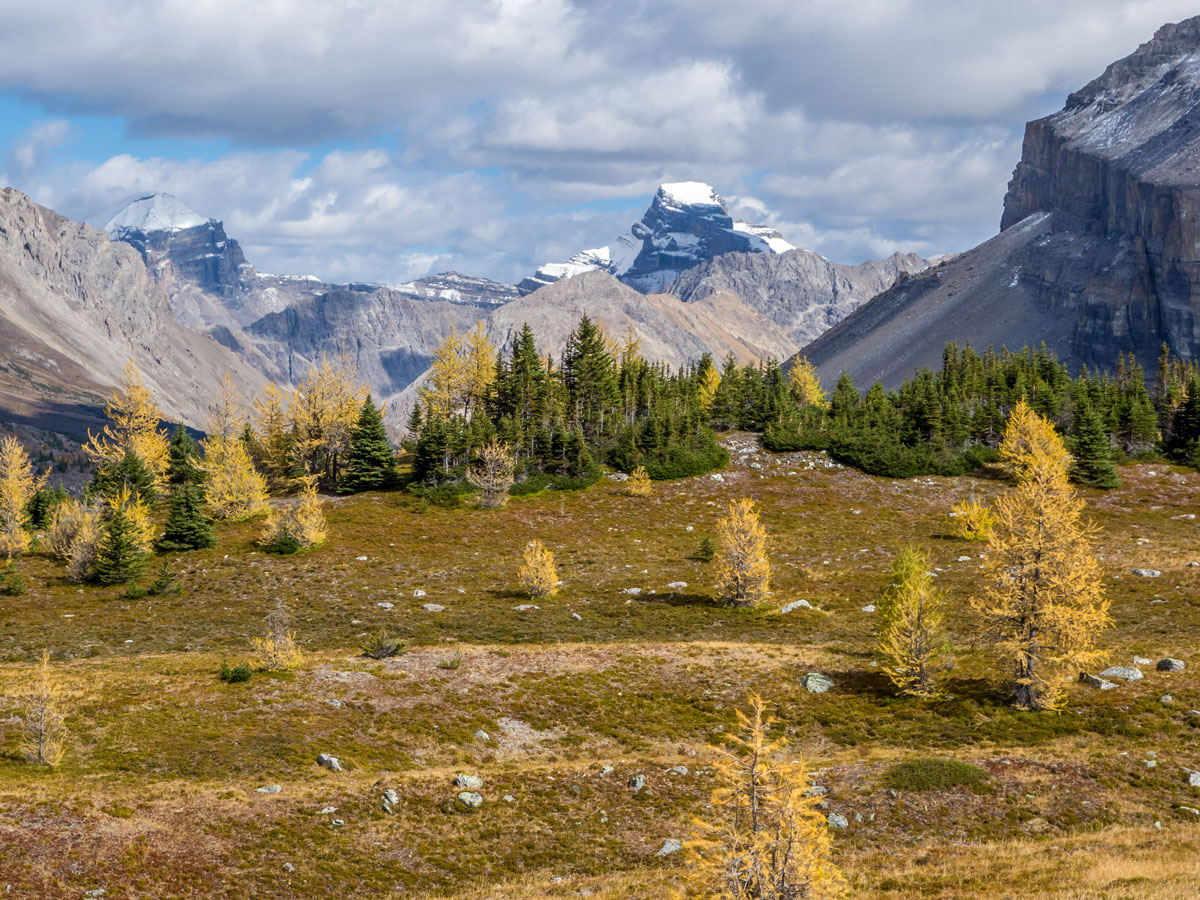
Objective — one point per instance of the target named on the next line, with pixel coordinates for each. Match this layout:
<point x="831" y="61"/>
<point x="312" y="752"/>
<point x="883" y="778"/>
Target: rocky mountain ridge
<point x="1098" y="252"/>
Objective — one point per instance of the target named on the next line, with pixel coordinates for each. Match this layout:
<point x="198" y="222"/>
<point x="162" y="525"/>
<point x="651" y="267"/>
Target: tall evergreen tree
<point x="125" y="472"/>
<point x="188" y="526"/>
<point x="1093" y="462"/>
<point x="119" y="559"/>
<point x="182" y="458"/>
<point x="372" y="462"/>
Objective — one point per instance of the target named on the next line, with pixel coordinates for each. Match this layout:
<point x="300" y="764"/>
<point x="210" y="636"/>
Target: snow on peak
<point x="154" y="211"/>
<point x="690" y="193"/>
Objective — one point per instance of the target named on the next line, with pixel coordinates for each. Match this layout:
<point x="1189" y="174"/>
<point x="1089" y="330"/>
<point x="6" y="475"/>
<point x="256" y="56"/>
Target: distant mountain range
<point x="1099" y="250"/>
<point x="696" y="283"/>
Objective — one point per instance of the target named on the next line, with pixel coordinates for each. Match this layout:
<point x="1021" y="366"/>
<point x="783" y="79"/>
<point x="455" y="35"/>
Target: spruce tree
<point x="372" y="461"/>
<point x="183" y="454"/>
<point x="188" y="525"/>
<point x="119" y="559"/>
<point x="1093" y="450"/>
<point x="127" y="471"/>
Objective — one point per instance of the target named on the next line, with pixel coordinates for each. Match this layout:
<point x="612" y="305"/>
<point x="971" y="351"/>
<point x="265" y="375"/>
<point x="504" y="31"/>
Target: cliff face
<point x="1098" y="251"/>
<point x="1121" y="163"/>
<point x="75" y="307"/>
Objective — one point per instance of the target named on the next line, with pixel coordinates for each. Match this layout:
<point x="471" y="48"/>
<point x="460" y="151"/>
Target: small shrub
<point x="14" y="581"/>
<point x="538" y="574"/>
<point x="933" y="775"/>
<point x="971" y="520"/>
<point x="452" y="662"/>
<point x="277" y="652"/>
<point x="164" y="583"/>
<point x="707" y="551"/>
<point x="381" y="645"/>
<point x="136" y="592"/>
<point x="638" y="483"/>
<point x="298" y="528"/>
<point x="239" y="673"/>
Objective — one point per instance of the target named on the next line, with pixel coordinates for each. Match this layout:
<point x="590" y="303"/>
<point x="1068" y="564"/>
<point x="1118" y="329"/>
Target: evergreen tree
<point x="119" y="558"/>
<point x="125" y="472"/>
<point x="371" y="463"/>
<point x="182" y="458"/>
<point x="188" y="525"/>
<point x="1093" y="450"/>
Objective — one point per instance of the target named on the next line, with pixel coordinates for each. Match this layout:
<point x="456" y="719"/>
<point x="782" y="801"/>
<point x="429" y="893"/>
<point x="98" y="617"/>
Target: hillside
<point x="558" y="706"/>
<point x="1098" y="253"/>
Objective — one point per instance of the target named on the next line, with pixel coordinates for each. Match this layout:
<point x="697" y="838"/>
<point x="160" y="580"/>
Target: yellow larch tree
<point x="234" y="489"/>
<point x="480" y="370"/>
<point x="492" y="472"/>
<point x="743" y="569"/>
<point x="137" y="513"/>
<point x="444" y="395"/>
<point x="804" y="384"/>
<point x="971" y="520"/>
<point x="638" y="484"/>
<point x="277" y="651"/>
<point x="911" y="640"/>
<point x="710" y="380"/>
<point x="133" y="424"/>
<point x="770" y="840"/>
<point x="18" y="484"/>
<point x="272" y="436"/>
<point x="300" y="526"/>
<point x="227" y="415"/>
<point x="1044" y="605"/>
<point x="324" y="409"/>
<point x="42" y="730"/>
<point x="538" y="574"/>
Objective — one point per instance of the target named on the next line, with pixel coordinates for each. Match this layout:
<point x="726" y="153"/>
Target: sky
<point x="377" y="140"/>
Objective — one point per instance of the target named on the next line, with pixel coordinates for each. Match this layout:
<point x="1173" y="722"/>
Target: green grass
<point x="933" y="775"/>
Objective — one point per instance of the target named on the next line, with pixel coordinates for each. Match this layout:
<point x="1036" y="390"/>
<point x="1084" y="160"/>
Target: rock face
<point x="74" y="308"/>
<point x="800" y="291"/>
<point x="1098" y="252"/>
<point x="687" y="224"/>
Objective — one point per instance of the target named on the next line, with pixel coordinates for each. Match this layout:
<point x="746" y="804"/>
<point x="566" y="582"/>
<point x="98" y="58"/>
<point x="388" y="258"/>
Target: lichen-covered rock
<point x="816" y="683"/>
<point x="1171" y="665"/>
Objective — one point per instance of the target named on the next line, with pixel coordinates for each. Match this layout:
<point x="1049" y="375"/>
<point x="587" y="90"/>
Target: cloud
<point x="371" y="138"/>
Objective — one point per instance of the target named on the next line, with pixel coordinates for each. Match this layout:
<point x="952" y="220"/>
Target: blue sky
<point x="382" y="141"/>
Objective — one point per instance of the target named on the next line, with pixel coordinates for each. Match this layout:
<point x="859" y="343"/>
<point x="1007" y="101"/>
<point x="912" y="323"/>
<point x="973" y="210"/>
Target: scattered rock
<point x="717" y="476"/>
<point x="637" y="782"/>
<point x="483" y="735"/>
<point x="509" y="798"/>
<point x="1125" y="673"/>
<point x="269" y="789"/>
<point x="1151" y="763"/>
<point x="338" y="823"/>
<point x="332" y="763"/>
<point x="633" y="592"/>
<point x="1170" y="665"/>
<point x="1097" y="682"/>
<point x="577" y="617"/>
<point x="795" y="605"/>
<point x="816" y="683"/>
<point x="837" y="820"/>
<point x="432" y="607"/>
<point x="328" y="811"/>
<point x="1166" y="700"/>
<point x="963" y="559"/>
<point x="391" y="800"/>
<point x="335" y="703"/>
<point x="1142" y="661"/>
<point x="470" y="799"/>
<point x="95" y="892"/>
<point x="677" y="585"/>
<point x="869" y="608"/>
<point x="670" y="845"/>
<point x="418" y="593"/>
<point x="383" y="604"/>
<point x="361" y="558"/>
<point x="817" y="790"/>
<point x="525" y="607"/>
<point x="288" y="867"/>
<point x="470" y="782"/>
<point x="606" y="771"/>
<point x="1188" y="809"/>
<point x="678" y="770"/>
<point x="1194" y="779"/>
<point x="1146" y="573"/>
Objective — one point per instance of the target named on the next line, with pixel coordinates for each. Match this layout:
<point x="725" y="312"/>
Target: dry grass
<point x="156" y="795"/>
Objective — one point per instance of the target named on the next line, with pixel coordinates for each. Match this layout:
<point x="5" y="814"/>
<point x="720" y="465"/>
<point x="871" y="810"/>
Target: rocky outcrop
<point x="800" y="291"/>
<point x="687" y="224"/>
<point x="75" y="307"/>
<point x="1098" y="252"/>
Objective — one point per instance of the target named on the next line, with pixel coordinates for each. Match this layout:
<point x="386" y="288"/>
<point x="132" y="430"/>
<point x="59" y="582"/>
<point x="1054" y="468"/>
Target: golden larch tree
<point x="480" y="370"/>
<point x="971" y="520"/>
<point x="743" y="569"/>
<point x="227" y="415"/>
<point x="804" y="384"/>
<point x="710" y="380"/>
<point x="538" y="574"/>
<point x="770" y="840"/>
<point x="42" y="730"/>
<point x="277" y="651"/>
<point x="638" y="484"/>
<point x="444" y="394"/>
<point x="300" y="526"/>
<point x="324" y="409"/>
<point x="492" y="472"/>
<point x="234" y="488"/>
<point x="18" y="484"/>
<point x="133" y="424"/>
<point x="272" y="436"/>
<point x="1044" y="605"/>
<point x="911" y="640"/>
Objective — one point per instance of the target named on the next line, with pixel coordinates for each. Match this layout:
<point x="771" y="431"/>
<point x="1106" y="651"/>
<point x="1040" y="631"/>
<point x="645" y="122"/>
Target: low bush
<point x="933" y="775"/>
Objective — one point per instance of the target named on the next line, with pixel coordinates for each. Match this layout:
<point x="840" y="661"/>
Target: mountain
<point x="74" y="307"/>
<point x="1098" y="251"/>
<point x="687" y="224"/>
<point x="800" y="291"/>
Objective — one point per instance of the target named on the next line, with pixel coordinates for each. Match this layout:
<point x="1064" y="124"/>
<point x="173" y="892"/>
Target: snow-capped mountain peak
<point x="146" y="213"/>
<point x="687" y="224"/>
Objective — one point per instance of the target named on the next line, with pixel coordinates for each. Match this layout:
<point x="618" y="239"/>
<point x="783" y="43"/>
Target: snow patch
<point x="146" y="213"/>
